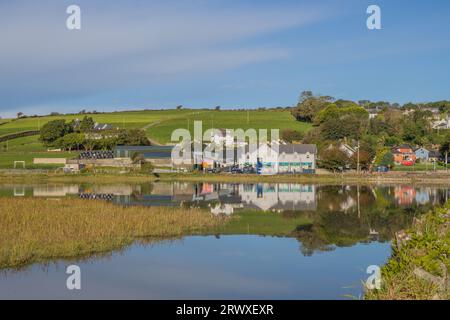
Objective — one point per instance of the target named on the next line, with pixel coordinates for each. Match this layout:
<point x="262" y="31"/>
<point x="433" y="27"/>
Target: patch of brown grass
<point x="35" y="230"/>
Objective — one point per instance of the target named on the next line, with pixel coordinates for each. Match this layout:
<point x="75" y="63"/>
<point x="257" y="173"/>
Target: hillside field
<point x="159" y="124"/>
<point x="225" y="119"/>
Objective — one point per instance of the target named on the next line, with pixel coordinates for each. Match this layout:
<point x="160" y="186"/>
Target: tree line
<point x="80" y="135"/>
<point x="345" y="121"/>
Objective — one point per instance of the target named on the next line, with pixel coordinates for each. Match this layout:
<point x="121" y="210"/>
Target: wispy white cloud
<point x="131" y="43"/>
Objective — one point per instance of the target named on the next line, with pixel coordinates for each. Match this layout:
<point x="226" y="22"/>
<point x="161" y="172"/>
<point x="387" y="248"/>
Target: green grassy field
<point x="159" y="124"/>
<point x="26" y="149"/>
<point x="25" y="144"/>
<point x="7" y="159"/>
<point x="126" y="119"/>
<point x="227" y="119"/>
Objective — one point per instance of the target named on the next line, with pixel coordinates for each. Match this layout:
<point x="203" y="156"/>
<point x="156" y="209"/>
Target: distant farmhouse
<point x="373" y="112"/>
<point x="102" y="126"/>
<point x="441" y="124"/>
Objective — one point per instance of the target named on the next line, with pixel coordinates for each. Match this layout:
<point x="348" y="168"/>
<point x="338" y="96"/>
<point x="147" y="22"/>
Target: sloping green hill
<point x="126" y="119"/>
<point x="226" y="119"/>
<point x="159" y="124"/>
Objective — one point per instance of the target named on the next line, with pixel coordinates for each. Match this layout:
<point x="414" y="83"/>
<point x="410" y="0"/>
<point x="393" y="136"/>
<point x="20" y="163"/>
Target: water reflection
<point x="226" y="198"/>
<point x="350" y="225"/>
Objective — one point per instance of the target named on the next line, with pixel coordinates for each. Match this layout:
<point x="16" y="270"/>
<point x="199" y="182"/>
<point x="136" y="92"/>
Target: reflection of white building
<point x="225" y="208"/>
<point x="347" y="204"/>
<point x="423" y="195"/>
<point x="55" y="190"/>
<point x="279" y="196"/>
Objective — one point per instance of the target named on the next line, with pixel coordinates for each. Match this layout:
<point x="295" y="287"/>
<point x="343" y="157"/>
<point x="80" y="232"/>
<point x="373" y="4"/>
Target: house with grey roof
<point x="102" y="126"/>
<point x="281" y="158"/>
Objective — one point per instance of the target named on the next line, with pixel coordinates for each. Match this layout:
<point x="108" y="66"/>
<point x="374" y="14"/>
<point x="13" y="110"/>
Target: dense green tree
<point x="345" y="103"/>
<point x="365" y="159"/>
<point x="53" y="130"/>
<point x="332" y="111"/>
<point x="387" y="160"/>
<point x="416" y="126"/>
<point x="134" y="137"/>
<point x="309" y="105"/>
<point x="86" y="124"/>
<point x="71" y="141"/>
<point x="332" y="158"/>
<point x="291" y="135"/>
<point x="351" y="126"/>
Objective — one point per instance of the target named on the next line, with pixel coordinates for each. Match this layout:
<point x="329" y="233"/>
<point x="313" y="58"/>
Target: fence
<point x="19" y="135"/>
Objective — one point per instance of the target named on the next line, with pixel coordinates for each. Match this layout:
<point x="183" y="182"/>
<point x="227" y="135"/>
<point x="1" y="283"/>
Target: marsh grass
<point x="427" y="249"/>
<point x="36" y="230"/>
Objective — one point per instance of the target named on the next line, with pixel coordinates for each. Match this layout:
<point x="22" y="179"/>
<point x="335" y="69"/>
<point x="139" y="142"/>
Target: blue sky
<point x="155" y="54"/>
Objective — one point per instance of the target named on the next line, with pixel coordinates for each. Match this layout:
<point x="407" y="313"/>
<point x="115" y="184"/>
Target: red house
<point x="404" y="155"/>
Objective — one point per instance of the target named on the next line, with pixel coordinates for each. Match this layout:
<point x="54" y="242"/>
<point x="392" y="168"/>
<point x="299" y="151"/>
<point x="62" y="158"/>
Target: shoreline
<point x="383" y="178"/>
<point x="418" y="266"/>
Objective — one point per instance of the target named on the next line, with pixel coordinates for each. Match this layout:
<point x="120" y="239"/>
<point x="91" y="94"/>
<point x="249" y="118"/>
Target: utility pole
<point x="357" y="165"/>
<point x="446" y="158"/>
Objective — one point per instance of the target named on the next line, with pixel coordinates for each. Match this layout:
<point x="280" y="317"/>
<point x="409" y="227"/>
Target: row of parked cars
<point x="232" y="170"/>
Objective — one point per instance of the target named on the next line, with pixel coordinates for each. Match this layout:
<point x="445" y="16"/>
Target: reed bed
<point x="36" y="230"/>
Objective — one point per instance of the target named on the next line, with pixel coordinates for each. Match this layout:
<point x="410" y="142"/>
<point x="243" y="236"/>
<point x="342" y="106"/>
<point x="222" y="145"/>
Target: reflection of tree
<point x="378" y="219"/>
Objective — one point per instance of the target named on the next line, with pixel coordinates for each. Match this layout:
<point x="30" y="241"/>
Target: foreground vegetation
<point x="35" y="230"/>
<point x="418" y="268"/>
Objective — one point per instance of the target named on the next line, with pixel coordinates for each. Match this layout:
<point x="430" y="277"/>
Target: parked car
<point x="248" y="170"/>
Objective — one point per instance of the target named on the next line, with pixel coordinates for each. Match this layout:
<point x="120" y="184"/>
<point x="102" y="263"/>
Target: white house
<point x="222" y="137"/>
<point x="441" y="124"/>
<point x="281" y="158"/>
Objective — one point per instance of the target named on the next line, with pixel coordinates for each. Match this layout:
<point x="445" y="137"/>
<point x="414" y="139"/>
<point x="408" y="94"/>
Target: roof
<point x="434" y="154"/>
<point x="149" y="152"/>
<point x="403" y="146"/>
<point x="102" y="126"/>
<point x="299" y="148"/>
<point x="396" y="150"/>
<point x="145" y="148"/>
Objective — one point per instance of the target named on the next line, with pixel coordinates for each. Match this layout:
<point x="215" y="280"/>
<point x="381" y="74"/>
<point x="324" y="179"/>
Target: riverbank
<point x="428" y="178"/>
<point x="35" y="230"/>
<point x="418" y="267"/>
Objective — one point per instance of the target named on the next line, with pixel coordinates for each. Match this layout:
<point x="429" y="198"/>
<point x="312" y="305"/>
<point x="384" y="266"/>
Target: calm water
<point x="291" y="242"/>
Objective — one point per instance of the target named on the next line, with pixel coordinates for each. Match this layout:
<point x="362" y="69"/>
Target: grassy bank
<point x="393" y="177"/>
<point x="438" y="178"/>
<point x="418" y="267"/>
<point x="34" y="230"/>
